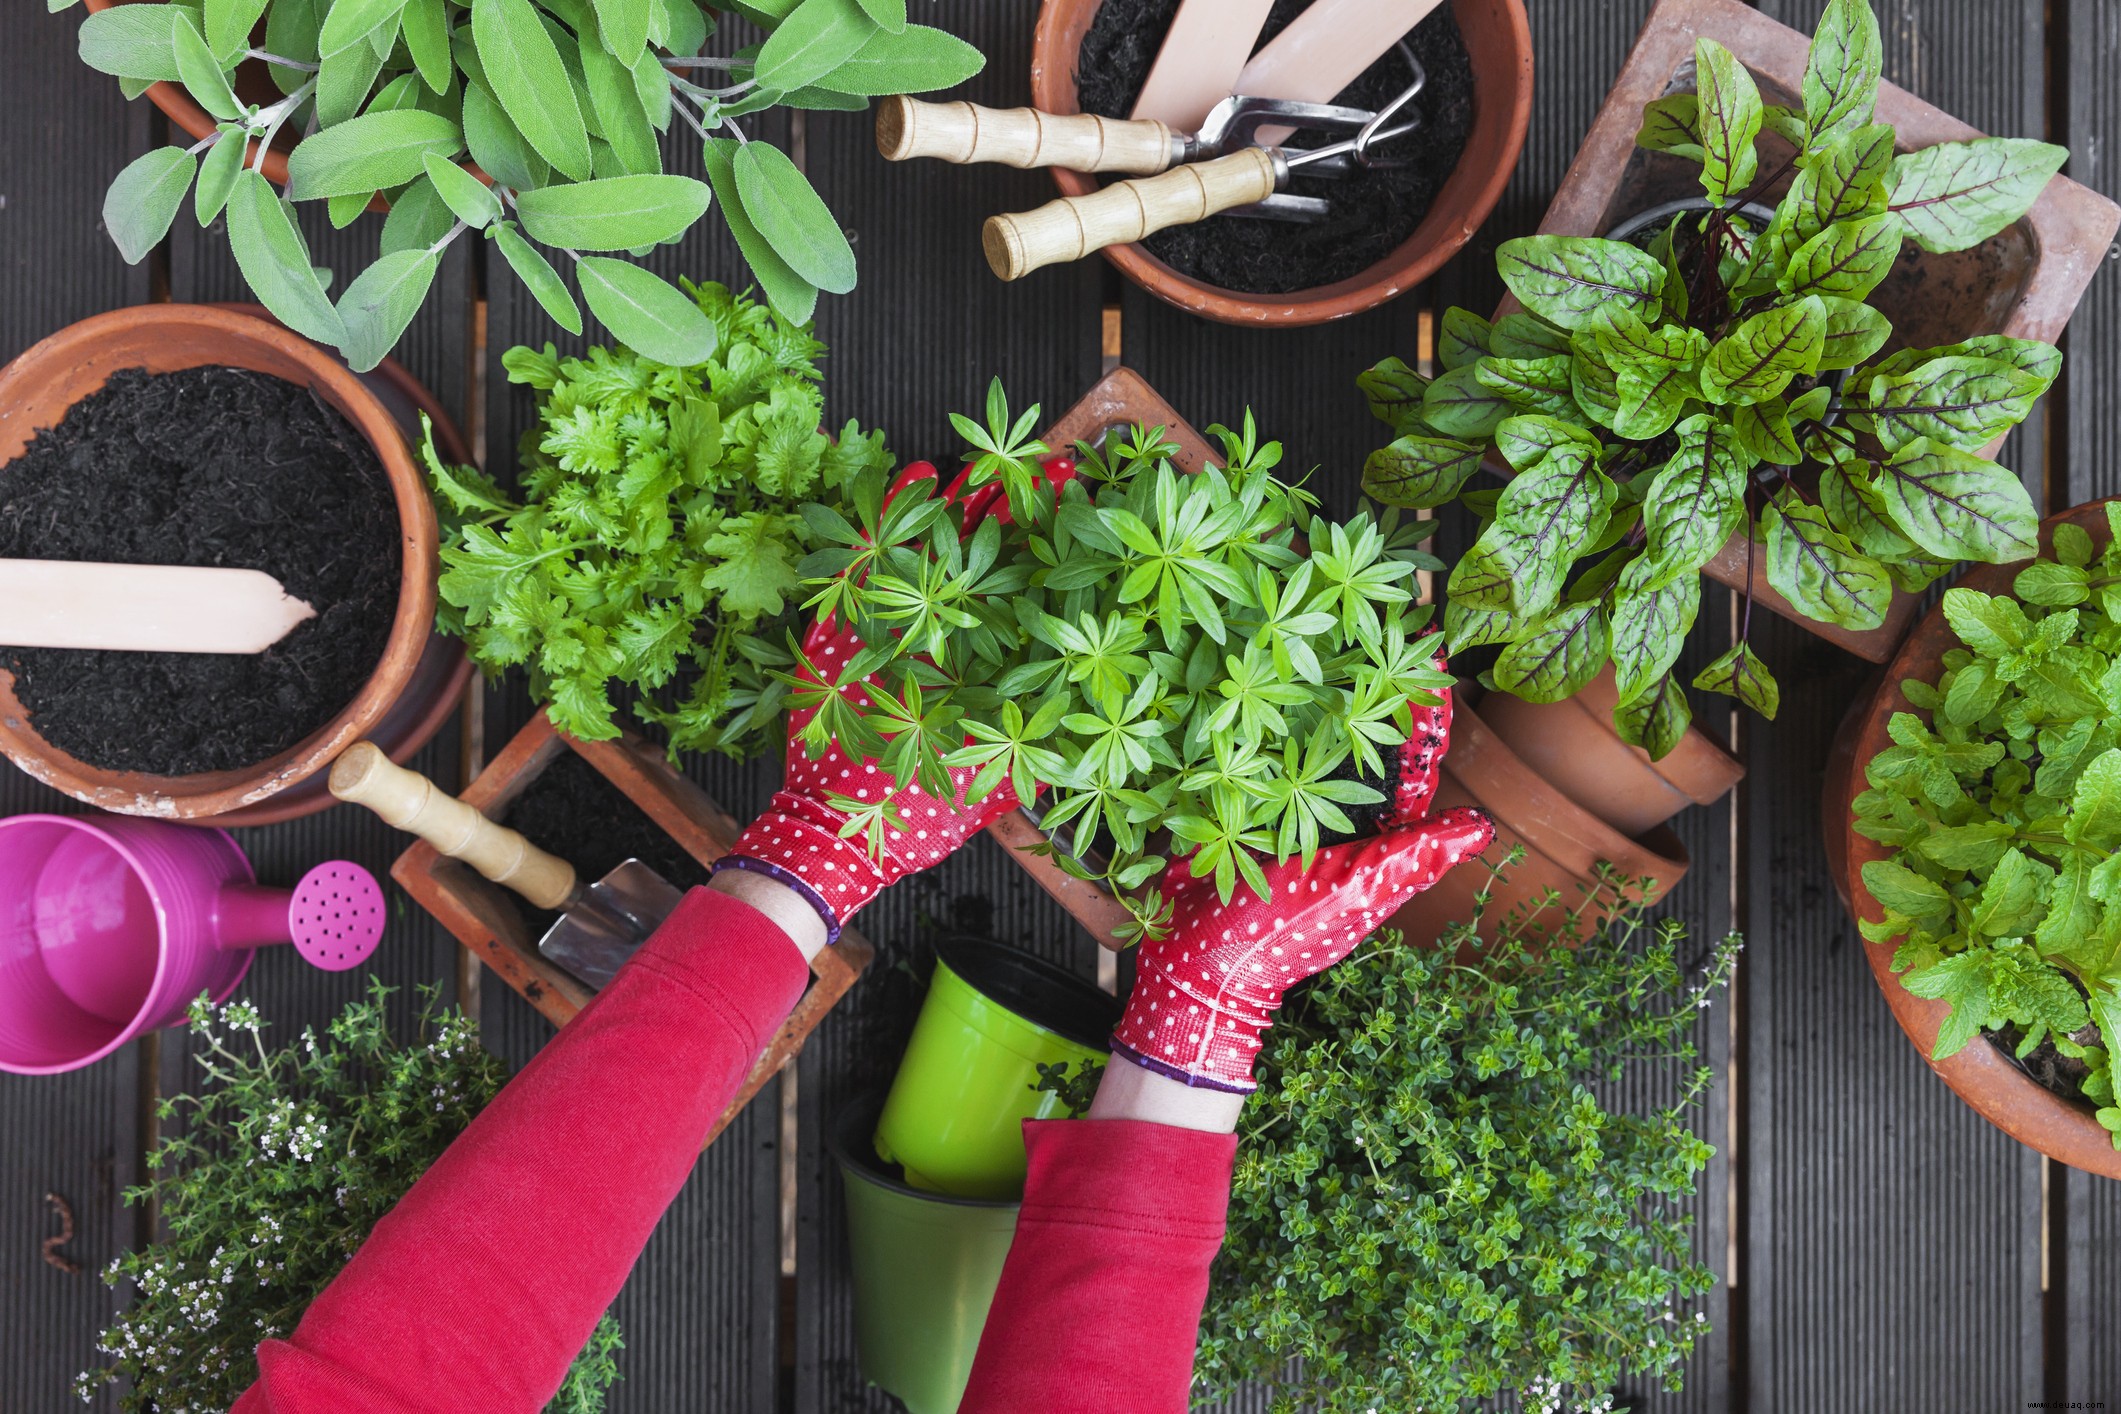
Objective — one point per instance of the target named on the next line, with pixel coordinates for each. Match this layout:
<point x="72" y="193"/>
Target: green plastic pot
<point x="955" y="1117"/>
<point x="925" y="1269"/>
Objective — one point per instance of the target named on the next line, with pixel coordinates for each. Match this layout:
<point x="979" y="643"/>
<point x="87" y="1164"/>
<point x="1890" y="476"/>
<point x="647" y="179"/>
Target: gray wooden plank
<point x="77" y="1134"/>
<point x="919" y="338"/>
<point x="1858" y="1158"/>
<point x="2086" y="1243"/>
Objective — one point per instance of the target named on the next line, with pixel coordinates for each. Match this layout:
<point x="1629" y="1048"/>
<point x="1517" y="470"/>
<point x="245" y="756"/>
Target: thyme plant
<point x="1433" y="1207"/>
<point x="1152" y="645"/>
<point x="561" y="108"/>
<point x="1727" y="375"/>
<point x="286" y="1159"/>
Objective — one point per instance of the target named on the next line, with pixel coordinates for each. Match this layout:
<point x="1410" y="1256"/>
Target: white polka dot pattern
<point x="1204" y="993"/>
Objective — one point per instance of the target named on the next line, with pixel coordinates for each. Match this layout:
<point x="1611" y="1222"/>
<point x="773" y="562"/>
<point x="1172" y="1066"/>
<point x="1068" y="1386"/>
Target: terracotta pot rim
<point x="212" y="793"/>
<point x="1980" y="1074"/>
<point x="1480" y="177"/>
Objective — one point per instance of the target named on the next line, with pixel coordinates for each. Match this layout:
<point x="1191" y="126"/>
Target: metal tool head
<point x="1234" y="122"/>
<point x="1239" y="120"/>
<point x="611" y="919"/>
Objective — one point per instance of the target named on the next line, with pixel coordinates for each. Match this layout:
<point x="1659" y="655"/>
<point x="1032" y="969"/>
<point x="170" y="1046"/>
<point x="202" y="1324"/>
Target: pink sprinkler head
<point x="337" y="915"/>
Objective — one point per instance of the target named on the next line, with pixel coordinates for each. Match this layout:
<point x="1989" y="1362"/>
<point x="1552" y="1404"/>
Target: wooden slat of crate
<point x="1893" y="1238"/>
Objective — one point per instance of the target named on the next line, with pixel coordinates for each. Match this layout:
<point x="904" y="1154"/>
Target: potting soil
<point x="1373" y="211"/>
<point x="572" y="811"/>
<point x="219" y="467"/>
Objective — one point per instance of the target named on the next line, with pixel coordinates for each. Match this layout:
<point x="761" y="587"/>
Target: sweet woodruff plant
<point x="1724" y="373"/>
<point x="562" y="109"/>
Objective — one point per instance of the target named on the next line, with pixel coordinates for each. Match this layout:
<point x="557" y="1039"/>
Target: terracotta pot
<point x="2023" y="282"/>
<point x="1981" y="1074"/>
<point x="490" y="920"/>
<point x="1498" y="40"/>
<point x="1564" y="844"/>
<point x="35" y="392"/>
<point x="1573" y="745"/>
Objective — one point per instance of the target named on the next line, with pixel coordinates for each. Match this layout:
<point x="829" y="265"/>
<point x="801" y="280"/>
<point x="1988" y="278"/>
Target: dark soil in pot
<point x="572" y="811"/>
<point x="218" y="467"/>
<point x="1373" y="212"/>
<point x="2054" y="1072"/>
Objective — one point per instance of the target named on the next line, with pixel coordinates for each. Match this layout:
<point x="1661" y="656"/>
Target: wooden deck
<point x="1881" y="1248"/>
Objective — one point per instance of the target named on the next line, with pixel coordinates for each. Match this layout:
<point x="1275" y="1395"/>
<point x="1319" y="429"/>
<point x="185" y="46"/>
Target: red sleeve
<point x="1100" y="1300"/>
<point x="481" y="1286"/>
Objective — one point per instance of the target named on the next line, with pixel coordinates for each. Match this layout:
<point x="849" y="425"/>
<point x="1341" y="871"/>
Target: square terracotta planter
<point x="2023" y="282"/>
<point x="490" y="919"/>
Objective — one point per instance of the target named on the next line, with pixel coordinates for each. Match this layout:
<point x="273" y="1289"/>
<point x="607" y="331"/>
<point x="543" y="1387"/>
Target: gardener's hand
<point x="1206" y="990"/>
<point x="817" y="835"/>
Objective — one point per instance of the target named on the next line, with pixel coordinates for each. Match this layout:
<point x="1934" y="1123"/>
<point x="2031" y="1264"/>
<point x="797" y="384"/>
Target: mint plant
<point x="1725" y="375"/>
<point x="287" y="1158"/>
<point x="2003" y="809"/>
<point x="563" y="107"/>
<point x="1432" y="1206"/>
<point x="657" y="540"/>
<point x="1151" y="645"/>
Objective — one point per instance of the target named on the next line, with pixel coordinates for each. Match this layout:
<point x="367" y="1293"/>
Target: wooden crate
<point x="489" y="919"/>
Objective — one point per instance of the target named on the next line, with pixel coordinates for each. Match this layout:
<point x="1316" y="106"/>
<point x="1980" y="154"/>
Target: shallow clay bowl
<point x="1498" y="39"/>
<point x="35" y="392"/>
<point x="1981" y="1074"/>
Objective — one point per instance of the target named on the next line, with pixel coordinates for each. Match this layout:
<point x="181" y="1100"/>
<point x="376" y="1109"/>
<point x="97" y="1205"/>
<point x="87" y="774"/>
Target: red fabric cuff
<point x="1128" y="1175"/>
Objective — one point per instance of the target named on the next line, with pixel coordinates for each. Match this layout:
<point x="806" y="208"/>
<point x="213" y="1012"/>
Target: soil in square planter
<point x="572" y="811"/>
<point x="219" y="467"/>
<point x="1373" y="212"/>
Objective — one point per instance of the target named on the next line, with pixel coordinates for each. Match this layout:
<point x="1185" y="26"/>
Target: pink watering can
<point x="109" y="926"/>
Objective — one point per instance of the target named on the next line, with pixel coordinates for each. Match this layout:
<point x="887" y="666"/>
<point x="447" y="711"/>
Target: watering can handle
<point x="1023" y="137"/>
<point x="410" y="802"/>
<point x="1074" y="226"/>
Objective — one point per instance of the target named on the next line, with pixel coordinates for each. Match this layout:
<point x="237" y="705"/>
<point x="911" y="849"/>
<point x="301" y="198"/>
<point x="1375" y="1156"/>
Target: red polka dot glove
<point x="812" y="845"/>
<point x="1206" y="991"/>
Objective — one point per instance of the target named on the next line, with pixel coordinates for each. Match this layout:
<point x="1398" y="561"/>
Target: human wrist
<point x="782" y="905"/>
<point x="1130" y="1090"/>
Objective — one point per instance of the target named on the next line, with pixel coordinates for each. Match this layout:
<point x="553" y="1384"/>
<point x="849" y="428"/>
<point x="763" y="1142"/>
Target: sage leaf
<point x="373" y="152"/>
<point x="1696" y="501"/>
<point x="1728" y="117"/>
<point x="651" y="85"/>
<point x="1958" y="506"/>
<point x="1953" y="401"/>
<point x="1958" y="194"/>
<point x="1657" y="720"/>
<point x="217" y="176"/>
<point x="1649" y="627"/>
<point x="645" y="312"/>
<point x="418" y="215"/>
<point x="890" y="14"/>
<point x="538" y="276"/>
<point x="613" y="213"/>
<point x="616" y="100"/>
<point x="791" y="216"/>
<point x="344" y="78"/>
<point x="1672" y="124"/>
<point x="346" y="208"/>
<point x="291" y="31"/>
<point x="275" y="261"/>
<point x="201" y="73"/>
<point x="133" y="41"/>
<point x="1419" y="472"/>
<point x="1461" y="337"/>
<point x="349" y="22"/>
<point x="496" y="145"/>
<point x="817" y="37"/>
<point x="1557" y="656"/>
<point x="1757" y="360"/>
<point x="425" y="24"/>
<point x="1574" y="281"/>
<point x="143" y="200"/>
<point x="468" y="198"/>
<point x="1740" y="674"/>
<point x="623" y="24"/>
<point x="228" y="24"/>
<point x="531" y="82"/>
<point x="917" y="59"/>
<point x="1816" y="568"/>
<point x="1842" y="70"/>
<point x="789" y="293"/>
<point x="1848" y="258"/>
<point x="686" y="28"/>
<point x="381" y="301"/>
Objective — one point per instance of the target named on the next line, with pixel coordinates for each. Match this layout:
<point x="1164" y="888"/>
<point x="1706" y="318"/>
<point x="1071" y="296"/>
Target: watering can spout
<point x="334" y="916"/>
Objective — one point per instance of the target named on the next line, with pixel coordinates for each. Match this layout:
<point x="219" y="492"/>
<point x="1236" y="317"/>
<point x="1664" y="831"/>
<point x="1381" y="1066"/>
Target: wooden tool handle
<point x="1021" y="137"/>
<point x="411" y="802"/>
<point x="1072" y="227"/>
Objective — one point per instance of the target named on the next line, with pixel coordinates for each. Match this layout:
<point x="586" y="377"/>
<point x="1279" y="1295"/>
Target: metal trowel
<point x="600" y="924"/>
